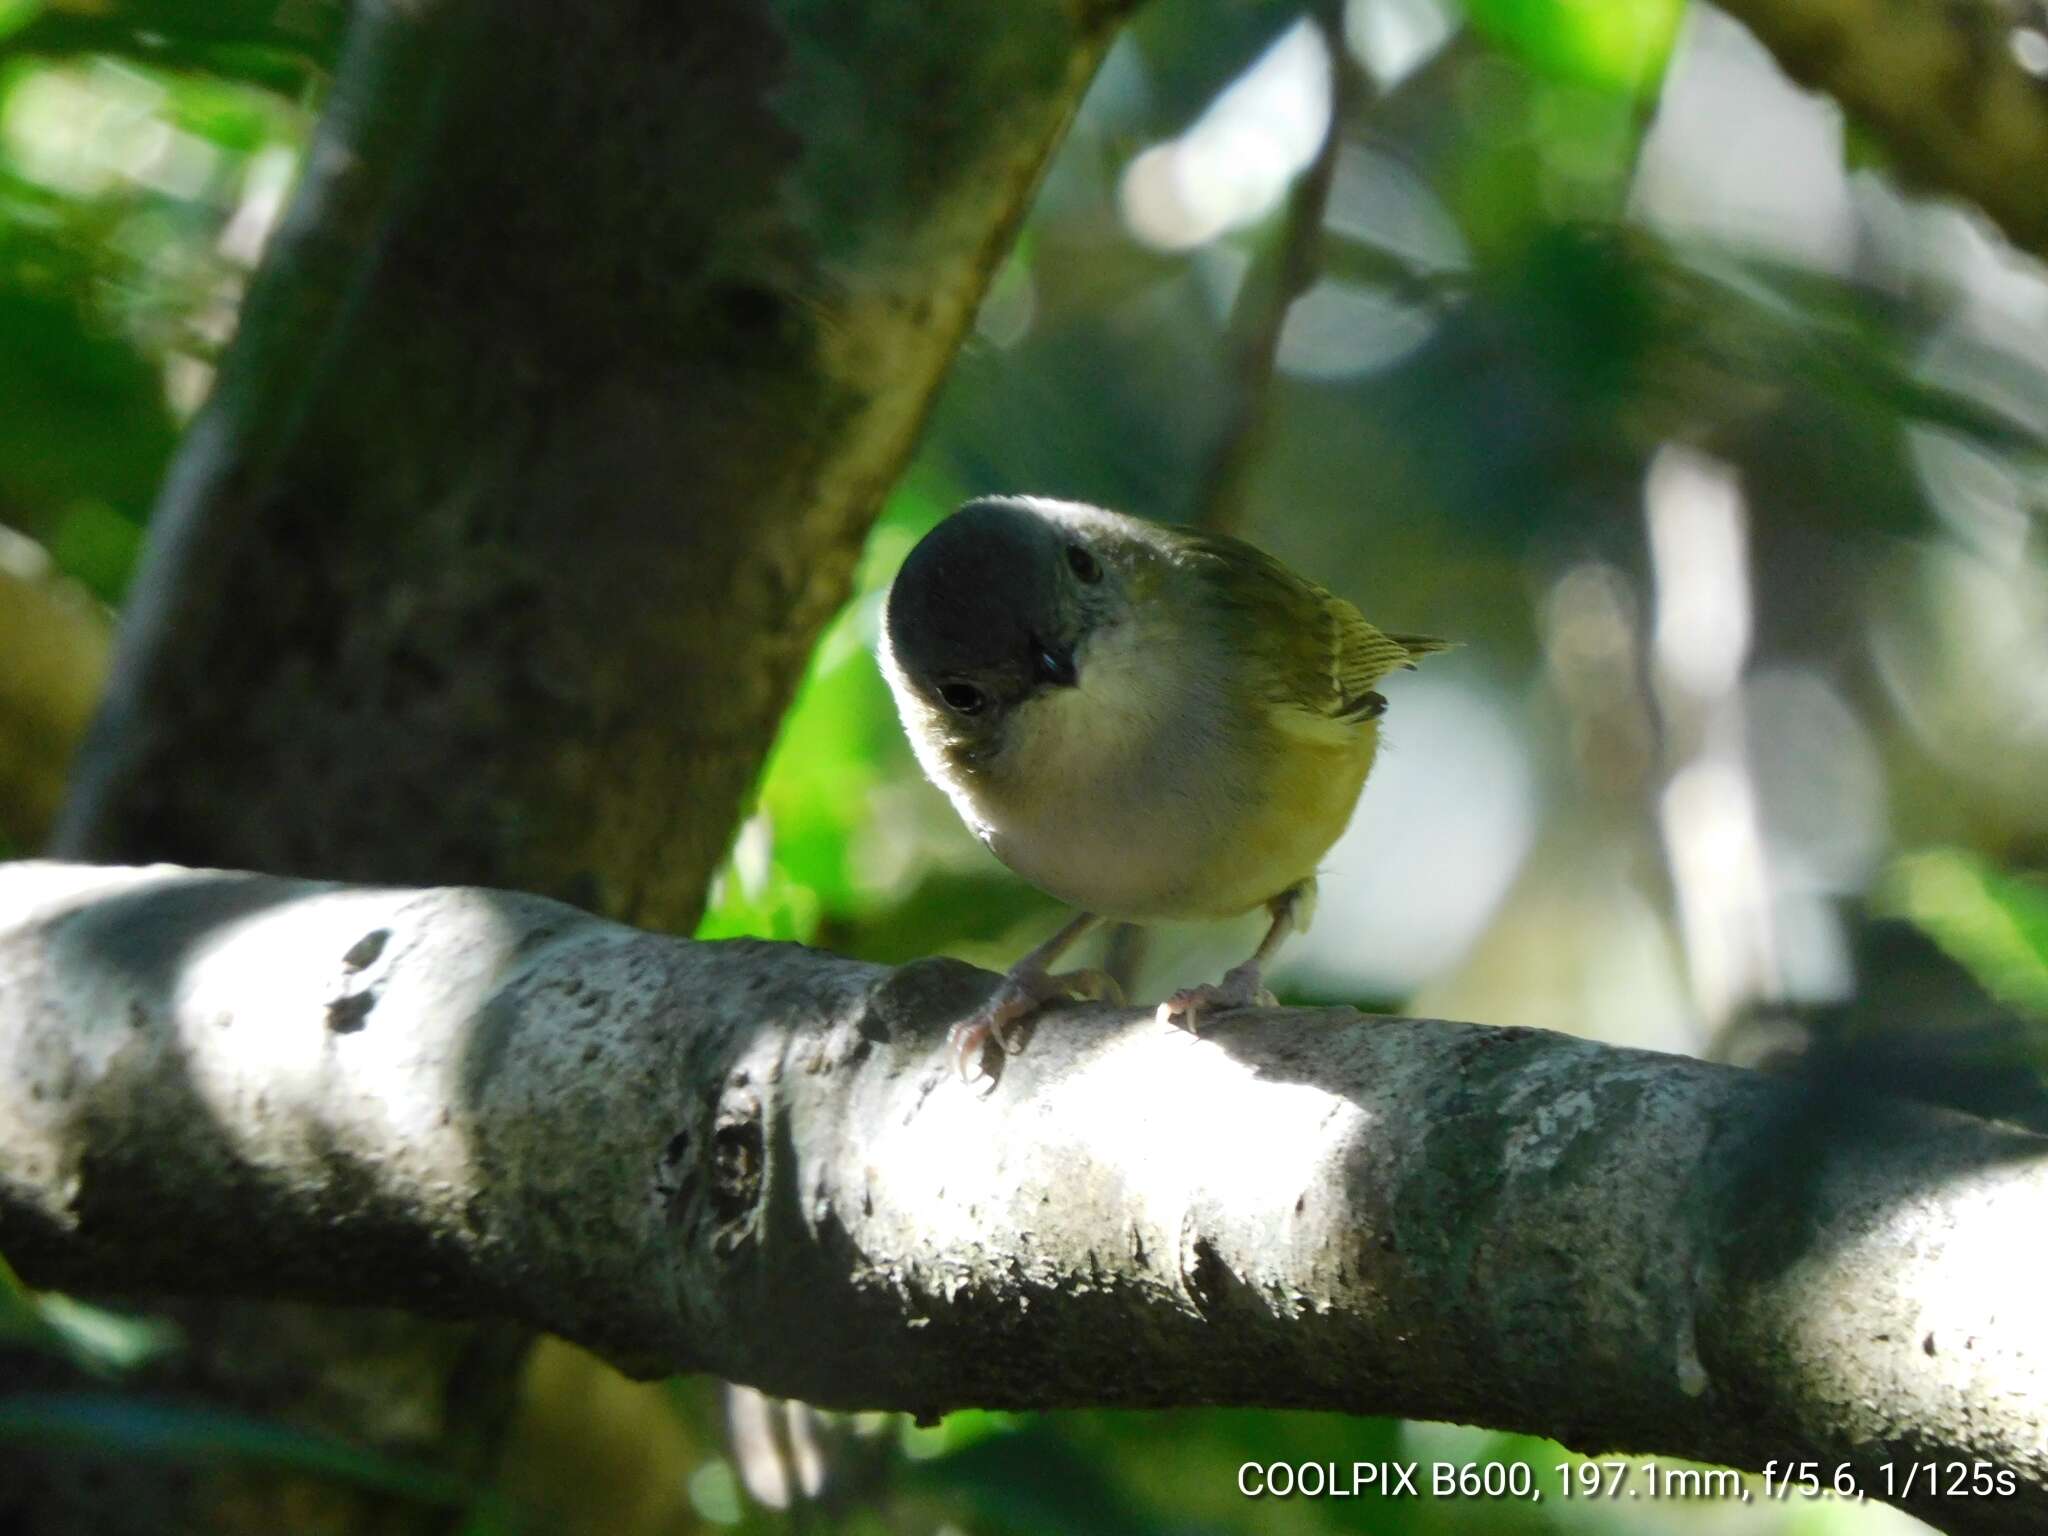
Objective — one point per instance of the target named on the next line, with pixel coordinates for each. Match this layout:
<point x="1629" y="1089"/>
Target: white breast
<point x="1136" y="794"/>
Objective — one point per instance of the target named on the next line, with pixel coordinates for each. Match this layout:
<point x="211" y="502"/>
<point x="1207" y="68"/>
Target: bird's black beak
<point x="1052" y="666"/>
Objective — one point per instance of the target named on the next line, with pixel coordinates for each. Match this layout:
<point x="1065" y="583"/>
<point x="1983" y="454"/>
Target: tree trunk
<point x="557" y="414"/>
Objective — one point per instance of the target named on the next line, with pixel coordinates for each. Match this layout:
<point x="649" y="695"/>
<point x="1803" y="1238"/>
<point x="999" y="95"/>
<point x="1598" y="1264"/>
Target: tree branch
<point x="752" y="1158"/>
<point x="1937" y="82"/>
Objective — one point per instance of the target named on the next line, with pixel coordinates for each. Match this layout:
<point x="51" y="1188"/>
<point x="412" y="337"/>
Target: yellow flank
<point x="1311" y="788"/>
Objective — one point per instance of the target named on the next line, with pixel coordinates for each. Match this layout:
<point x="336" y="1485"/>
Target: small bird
<point x="1145" y="722"/>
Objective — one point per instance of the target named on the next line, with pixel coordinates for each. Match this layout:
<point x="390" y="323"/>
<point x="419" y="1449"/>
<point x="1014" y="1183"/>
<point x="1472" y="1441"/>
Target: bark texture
<point x="754" y="1159"/>
<point x="556" y="416"/>
<point x="591" y="344"/>
<point x="1939" y="83"/>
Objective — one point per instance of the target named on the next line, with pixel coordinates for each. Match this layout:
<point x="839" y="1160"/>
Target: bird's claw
<point x="1239" y="988"/>
<point x="1017" y="998"/>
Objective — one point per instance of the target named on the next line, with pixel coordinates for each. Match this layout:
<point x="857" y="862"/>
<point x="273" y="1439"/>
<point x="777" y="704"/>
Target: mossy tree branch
<point x="754" y="1159"/>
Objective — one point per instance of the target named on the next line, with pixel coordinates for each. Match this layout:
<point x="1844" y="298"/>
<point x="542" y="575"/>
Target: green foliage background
<point x="1517" y="317"/>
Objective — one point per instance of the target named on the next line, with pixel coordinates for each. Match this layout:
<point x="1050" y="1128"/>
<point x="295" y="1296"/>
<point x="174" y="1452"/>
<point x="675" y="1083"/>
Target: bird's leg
<point x="1242" y="986"/>
<point x="1029" y="986"/>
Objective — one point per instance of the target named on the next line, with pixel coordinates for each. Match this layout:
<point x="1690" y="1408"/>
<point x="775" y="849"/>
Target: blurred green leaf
<point x="793" y="864"/>
<point x="164" y="1430"/>
<point x="715" y="1492"/>
<point x="96" y="545"/>
<point x="947" y="909"/>
<point x="1034" y="1481"/>
<point x="101" y="1342"/>
<point x="118" y="181"/>
<point x="228" y="113"/>
<point x="283" y="47"/>
<point x="1993" y="924"/>
<point x="16" y="14"/>
<point x="85" y="419"/>
<point x="956" y="1432"/>
<point x="1619" y="45"/>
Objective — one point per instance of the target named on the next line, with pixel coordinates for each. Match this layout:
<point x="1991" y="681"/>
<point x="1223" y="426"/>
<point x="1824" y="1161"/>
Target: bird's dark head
<point x="993" y="606"/>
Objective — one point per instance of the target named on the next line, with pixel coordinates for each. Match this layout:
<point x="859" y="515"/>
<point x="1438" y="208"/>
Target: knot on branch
<point x="927" y="995"/>
<point x="717" y="1181"/>
<point x="736" y="1162"/>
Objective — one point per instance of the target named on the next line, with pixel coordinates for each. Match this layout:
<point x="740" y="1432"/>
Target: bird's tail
<point x="1419" y="646"/>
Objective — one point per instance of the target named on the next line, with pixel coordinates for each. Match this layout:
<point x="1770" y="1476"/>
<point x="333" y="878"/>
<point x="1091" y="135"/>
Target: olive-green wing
<point x="1365" y="655"/>
<point x="1321" y="658"/>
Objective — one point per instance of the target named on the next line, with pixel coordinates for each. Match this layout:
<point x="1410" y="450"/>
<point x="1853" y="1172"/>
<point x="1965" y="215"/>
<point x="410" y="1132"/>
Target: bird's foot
<point x="1239" y="988"/>
<point x="1021" y="994"/>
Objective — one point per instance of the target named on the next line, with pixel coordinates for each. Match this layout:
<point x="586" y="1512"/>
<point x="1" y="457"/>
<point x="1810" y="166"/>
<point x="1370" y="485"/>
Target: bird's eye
<point x="962" y="698"/>
<point x="1083" y="565"/>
